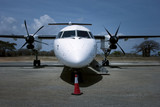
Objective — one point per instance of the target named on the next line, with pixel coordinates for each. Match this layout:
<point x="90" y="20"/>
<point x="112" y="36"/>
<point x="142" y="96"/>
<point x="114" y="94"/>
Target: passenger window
<point x="83" y="34"/>
<point x="67" y="34"/>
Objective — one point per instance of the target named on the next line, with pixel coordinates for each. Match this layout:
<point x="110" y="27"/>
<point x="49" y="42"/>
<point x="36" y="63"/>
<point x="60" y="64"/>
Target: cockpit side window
<point x="67" y="34"/>
<point x="91" y="35"/>
<point x="83" y="34"/>
<point x="59" y="35"/>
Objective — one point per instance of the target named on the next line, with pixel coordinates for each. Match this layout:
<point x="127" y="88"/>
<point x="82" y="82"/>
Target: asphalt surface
<point x="22" y="85"/>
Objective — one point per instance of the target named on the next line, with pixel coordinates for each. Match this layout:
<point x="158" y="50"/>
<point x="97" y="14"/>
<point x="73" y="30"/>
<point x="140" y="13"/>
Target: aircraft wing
<point x="99" y="36"/>
<point x="95" y="36"/>
<point x="13" y="36"/>
<point x="126" y="37"/>
<point x="23" y="36"/>
<point x="47" y="36"/>
<point x="137" y="36"/>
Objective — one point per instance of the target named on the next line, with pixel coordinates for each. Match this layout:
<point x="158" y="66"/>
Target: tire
<point x="37" y="63"/>
<point x="105" y="63"/>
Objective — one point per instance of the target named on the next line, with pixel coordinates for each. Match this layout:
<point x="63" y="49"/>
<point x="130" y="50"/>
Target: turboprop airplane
<point x="75" y="46"/>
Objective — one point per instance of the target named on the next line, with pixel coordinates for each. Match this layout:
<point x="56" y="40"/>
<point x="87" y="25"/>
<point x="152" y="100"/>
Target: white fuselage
<point x="75" y="52"/>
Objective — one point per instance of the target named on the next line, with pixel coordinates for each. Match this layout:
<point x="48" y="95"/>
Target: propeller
<point x="30" y="38"/>
<point x="114" y="39"/>
<point x="26" y="27"/>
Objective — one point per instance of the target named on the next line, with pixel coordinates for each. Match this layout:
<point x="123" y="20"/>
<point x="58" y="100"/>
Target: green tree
<point x="159" y="53"/>
<point x="6" y="46"/>
<point x="146" y="47"/>
<point x="117" y="54"/>
<point x="24" y="52"/>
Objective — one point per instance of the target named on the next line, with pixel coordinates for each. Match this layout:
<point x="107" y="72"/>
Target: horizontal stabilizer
<point x="69" y="23"/>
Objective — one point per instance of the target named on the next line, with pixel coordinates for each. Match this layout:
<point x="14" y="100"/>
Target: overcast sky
<point x="137" y="17"/>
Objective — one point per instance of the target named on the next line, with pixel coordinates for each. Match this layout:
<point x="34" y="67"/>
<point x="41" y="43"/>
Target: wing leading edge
<point x="47" y="36"/>
<point x="12" y="36"/>
<point x="138" y="36"/>
<point x="129" y="36"/>
<point x="23" y="36"/>
<point x="95" y="36"/>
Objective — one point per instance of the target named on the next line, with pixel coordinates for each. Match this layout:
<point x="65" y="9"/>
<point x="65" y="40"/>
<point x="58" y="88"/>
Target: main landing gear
<point x="36" y="62"/>
<point x="105" y="62"/>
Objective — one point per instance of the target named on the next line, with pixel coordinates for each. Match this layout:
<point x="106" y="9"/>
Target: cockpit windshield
<point x="78" y="33"/>
<point x="83" y="34"/>
<point x="67" y="34"/>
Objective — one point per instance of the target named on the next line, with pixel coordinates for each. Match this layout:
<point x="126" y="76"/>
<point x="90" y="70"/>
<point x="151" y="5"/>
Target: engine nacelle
<point x="30" y="46"/>
<point x="37" y="45"/>
<point x="104" y="42"/>
<point x="113" y="46"/>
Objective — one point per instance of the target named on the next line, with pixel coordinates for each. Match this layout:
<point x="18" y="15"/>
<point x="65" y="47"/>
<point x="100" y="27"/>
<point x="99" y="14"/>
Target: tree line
<point x="146" y="47"/>
<point x="8" y="49"/>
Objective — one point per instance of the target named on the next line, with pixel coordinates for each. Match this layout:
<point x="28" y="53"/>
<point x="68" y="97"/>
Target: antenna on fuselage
<point x="70" y="23"/>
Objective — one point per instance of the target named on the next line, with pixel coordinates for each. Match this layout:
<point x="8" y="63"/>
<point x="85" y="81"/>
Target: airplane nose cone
<point x="75" y="52"/>
<point x="79" y="59"/>
<point x="81" y="54"/>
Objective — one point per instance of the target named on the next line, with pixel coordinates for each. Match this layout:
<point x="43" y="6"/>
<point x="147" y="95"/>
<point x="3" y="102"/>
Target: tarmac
<point x="130" y="84"/>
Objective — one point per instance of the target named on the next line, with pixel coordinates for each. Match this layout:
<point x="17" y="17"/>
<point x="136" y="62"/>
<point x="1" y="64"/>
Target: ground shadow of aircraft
<point x="86" y="76"/>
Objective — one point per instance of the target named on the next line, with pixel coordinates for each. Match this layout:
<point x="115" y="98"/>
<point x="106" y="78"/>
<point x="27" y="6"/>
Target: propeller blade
<point x="38" y="30"/>
<point x="121" y="49"/>
<point x="23" y="45"/>
<point x="26" y="27"/>
<point x="108" y="32"/>
<point x="117" y="31"/>
<point x="40" y="42"/>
